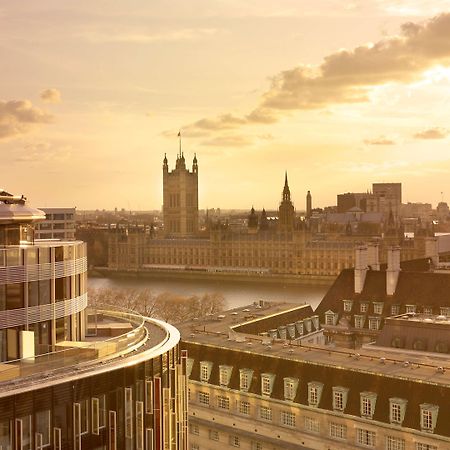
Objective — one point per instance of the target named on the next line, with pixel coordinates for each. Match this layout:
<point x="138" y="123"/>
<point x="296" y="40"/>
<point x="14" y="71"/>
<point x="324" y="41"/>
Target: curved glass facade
<point x="42" y="291"/>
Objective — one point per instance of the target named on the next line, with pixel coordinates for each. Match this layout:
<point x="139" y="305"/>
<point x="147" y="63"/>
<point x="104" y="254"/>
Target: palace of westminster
<point x="288" y="245"/>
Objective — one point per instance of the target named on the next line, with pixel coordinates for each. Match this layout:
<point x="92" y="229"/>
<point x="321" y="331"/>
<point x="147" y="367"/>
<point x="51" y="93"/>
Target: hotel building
<point x="72" y="377"/>
<point x="276" y="376"/>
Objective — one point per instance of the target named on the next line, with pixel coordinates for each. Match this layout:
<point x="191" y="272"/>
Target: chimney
<point x="360" y="268"/>
<point x="432" y="249"/>
<point x="373" y="259"/>
<point x="393" y="269"/>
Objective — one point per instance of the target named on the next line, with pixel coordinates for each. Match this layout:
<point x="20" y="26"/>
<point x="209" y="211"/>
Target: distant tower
<point x="308" y="205"/>
<point x="252" y="219"/>
<point x="180" y="198"/>
<point x="263" y="221"/>
<point x="286" y="210"/>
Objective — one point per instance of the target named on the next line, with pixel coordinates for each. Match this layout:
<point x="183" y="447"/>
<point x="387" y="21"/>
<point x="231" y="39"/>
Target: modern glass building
<point x="71" y="377"/>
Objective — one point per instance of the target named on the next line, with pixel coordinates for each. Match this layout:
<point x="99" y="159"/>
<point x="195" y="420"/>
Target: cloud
<point x="18" y="117"/>
<point x="51" y="95"/>
<point x="381" y="140"/>
<point x="41" y="152"/>
<point x="227" y="141"/>
<point x="432" y="133"/>
<point x="348" y="76"/>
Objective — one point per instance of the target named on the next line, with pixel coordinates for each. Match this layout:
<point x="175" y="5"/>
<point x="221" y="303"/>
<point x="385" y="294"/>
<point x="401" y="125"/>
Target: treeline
<point x="167" y="306"/>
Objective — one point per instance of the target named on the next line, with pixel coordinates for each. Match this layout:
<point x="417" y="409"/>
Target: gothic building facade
<point x="180" y="198"/>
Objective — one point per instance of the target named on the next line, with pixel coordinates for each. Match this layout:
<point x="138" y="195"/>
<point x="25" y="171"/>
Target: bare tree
<point x="167" y="306"/>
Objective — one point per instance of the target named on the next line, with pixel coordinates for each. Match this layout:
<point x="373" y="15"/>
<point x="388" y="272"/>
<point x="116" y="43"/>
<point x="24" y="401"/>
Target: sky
<point x="340" y="93"/>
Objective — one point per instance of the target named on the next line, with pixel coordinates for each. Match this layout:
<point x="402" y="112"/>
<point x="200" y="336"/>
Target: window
<point x="445" y="311"/>
<point x="265" y="413"/>
<point x="244" y="407"/>
<point x="223" y="402"/>
<point x="203" y="398"/>
<point x="410" y="308"/>
<point x="194" y="429"/>
<point x="428" y="417"/>
<point x="288" y="418"/>
<point x="331" y="318"/>
<point x="423" y="446"/>
<point x="257" y="445"/>
<point x="374" y="323"/>
<point x="128" y="412"/>
<point x="338" y="430"/>
<point x="245" y="379"/>
<point x="397" y="408"/>
<point x="378" y="307"/>
<point x="189" y="365"/>
<point x="225" y="375"/>
<point x="395" y="310"/>
<point x="312" y="425"/>
<point x="290" y="388"/>
<point x="365" y="438"/>
<point x="395" y="443"/>
<point x="205" y="370"/>
<point x="314" y="393"/>
<point x="359" y="321"/>
<point x="367" y="404"/>
<point x="43" y="427"/>
<point x="267" y="380"/>
<point x="428" y="310"/>
<point x="348" y="305"/>
<point x="339" y="398"/>
<point x="363" y="307"/>
<point x="235" y="441"/>
<point x="213" y="435"/>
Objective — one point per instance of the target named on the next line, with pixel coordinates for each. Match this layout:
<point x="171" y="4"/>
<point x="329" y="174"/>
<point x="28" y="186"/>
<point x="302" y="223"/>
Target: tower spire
<point x="179" y="135"/>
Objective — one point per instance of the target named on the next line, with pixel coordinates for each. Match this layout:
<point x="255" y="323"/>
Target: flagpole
<point x="179" y="135"/>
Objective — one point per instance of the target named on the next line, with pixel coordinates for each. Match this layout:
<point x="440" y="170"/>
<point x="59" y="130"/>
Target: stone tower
<point x="286" y="210"/>
<point x="308" y="205"/>
<point x="180" y="198"/>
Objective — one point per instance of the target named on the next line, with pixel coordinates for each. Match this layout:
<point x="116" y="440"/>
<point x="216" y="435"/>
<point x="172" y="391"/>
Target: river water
<point x="236" y="293"/>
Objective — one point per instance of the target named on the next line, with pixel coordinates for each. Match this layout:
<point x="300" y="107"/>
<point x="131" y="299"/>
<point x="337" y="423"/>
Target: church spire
<point x="286" y="191"/>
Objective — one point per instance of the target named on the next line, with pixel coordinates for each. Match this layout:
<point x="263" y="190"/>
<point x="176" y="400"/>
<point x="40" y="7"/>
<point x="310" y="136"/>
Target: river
<point x="236" y="293"/>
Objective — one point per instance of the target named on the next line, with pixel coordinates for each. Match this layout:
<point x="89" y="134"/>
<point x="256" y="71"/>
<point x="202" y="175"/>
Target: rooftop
<point x="431" y="368"/>
<point x="116" y="339"/>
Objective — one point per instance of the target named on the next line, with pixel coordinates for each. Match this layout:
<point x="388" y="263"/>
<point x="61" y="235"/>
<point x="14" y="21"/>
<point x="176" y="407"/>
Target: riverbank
<point x="271" y="279"/>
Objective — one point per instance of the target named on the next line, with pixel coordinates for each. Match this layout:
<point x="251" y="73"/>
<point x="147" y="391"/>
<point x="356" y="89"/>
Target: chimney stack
<point x="432" y="249"/>
<point x="360" y="268"/>
<point x="373" y="258"/>
<point x="393" y="269"/>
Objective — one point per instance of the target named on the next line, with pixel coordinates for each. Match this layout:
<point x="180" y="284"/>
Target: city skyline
<point x="111" y="87"/>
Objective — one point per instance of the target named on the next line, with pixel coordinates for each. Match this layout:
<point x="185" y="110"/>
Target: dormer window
<point x="314" y="393"/>
<point x="359" y="321"/>
<point x="299" y="326"/>
<point x="411" y="309"/>
<point x="245" y="379"/>
<point x="307" y="325"/>
<point x="363" y="307"/>
<point x="428" y="417"/>
<point x="331" y="318"/>
<point x="339" y="398"/>
<point x="397" y="409"/>
<point x="348" y="304"/>
<point x="395" y="310"/>
<point x="290" y="388"/>
<point x="378" y="307"/>
<point x="445" y="311"/>
<point x="374" y="323"/>
<point x="315" y="322"/>
<point x="225" y="375"/>
<point x="367" y="404"/>
<point x="205" y="370"/>
<point x="267" y="380"/>
<point x="428" y="310"/>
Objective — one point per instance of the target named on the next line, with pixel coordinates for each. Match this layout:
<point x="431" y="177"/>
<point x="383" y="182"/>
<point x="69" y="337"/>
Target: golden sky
<point x="341" y="93"/>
